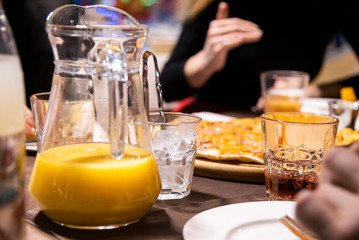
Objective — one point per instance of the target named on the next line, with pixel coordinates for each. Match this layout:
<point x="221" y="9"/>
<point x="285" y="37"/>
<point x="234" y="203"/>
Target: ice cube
<point x="182" y="153"/>
<point x="185" y="145"/>
<point x="165" y="139"/>
<point x="187" y="132"/>
<point x="160" y="157"/>
<point x="176" y="156"/>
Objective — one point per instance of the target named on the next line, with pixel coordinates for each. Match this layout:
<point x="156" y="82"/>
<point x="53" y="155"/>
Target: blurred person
<point x="225" y="45"/>
<point x="332" y="210"/>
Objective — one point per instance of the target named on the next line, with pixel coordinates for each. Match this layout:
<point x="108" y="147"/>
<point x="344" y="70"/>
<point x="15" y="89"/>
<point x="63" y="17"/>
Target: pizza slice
<point x="346" y="136"/>
<point x="239" y="139"/>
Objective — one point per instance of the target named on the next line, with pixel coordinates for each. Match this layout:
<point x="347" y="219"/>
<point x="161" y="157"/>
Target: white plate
<point x="252" y="220"/>
<point x="316" y="105"/>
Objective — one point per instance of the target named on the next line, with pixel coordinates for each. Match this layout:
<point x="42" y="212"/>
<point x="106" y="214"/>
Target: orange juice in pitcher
<point x="81" y="184"/>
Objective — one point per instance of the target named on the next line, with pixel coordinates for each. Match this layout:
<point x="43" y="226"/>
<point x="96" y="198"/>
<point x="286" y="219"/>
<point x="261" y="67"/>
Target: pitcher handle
<point x="115" y="65"/>
<point x="146" y="55"/>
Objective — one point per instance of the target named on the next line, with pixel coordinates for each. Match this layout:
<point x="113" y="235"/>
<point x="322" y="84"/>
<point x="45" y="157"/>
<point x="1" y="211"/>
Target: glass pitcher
<point x="95" y="168"/>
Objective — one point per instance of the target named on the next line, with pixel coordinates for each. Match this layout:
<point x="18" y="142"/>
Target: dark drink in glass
<point x="285" y="176"/>
<point x="294" y="144"/>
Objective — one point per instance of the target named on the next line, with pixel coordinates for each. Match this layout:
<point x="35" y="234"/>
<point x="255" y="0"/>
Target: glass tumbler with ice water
<point x="174" y="143"/>
<point x="294" y="145"/>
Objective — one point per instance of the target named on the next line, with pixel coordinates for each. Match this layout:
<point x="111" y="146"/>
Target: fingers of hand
<point x="329" y="211"/>
<point x="221" y="43"/>
<point x="341" y="167"/>
<point x="355" y="147"/>
<point x="343" y="205"/>
<point x="236" y="24"/>
<point x="222" y="11"/>
<point x="245" y="29"/>
<point x="312" y="212"/>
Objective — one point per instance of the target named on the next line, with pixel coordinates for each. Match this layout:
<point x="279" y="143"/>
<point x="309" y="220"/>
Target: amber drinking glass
<point x="294" y="145"/>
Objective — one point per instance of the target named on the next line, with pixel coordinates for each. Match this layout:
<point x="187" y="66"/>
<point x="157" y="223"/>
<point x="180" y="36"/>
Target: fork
<point x="296" y="228"/>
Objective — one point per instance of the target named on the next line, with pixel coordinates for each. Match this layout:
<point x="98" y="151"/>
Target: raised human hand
<point x="223" y="35"/>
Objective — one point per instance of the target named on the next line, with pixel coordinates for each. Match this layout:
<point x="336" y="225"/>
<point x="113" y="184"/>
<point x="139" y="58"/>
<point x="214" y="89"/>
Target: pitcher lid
<point x="91" y="15"/>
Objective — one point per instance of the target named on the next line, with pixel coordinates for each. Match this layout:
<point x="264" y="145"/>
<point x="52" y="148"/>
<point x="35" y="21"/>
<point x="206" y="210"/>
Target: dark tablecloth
<point x="165" y="220"/>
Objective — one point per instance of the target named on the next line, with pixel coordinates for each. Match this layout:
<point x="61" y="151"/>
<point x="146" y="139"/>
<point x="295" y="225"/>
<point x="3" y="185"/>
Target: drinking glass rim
<point x="40" y="96"/>
<point x="196" y="119"/>
<point x="335" y="120"/>
<point x="285" y="73"/>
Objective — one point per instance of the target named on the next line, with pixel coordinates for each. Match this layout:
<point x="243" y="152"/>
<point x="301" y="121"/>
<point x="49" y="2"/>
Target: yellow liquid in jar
<point x="81" y="185"/>
<point x="278" y="103"/>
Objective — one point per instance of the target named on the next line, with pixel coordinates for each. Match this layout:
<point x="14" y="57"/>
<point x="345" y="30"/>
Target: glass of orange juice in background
<point x="283" y="90"/>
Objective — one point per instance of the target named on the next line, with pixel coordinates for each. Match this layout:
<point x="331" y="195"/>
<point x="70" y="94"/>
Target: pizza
<point x="346" y="136"/>
<point x="237" y="139"/>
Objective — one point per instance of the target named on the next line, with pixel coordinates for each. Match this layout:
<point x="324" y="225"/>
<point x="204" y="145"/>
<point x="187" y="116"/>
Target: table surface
<point x="164" y="221"/>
